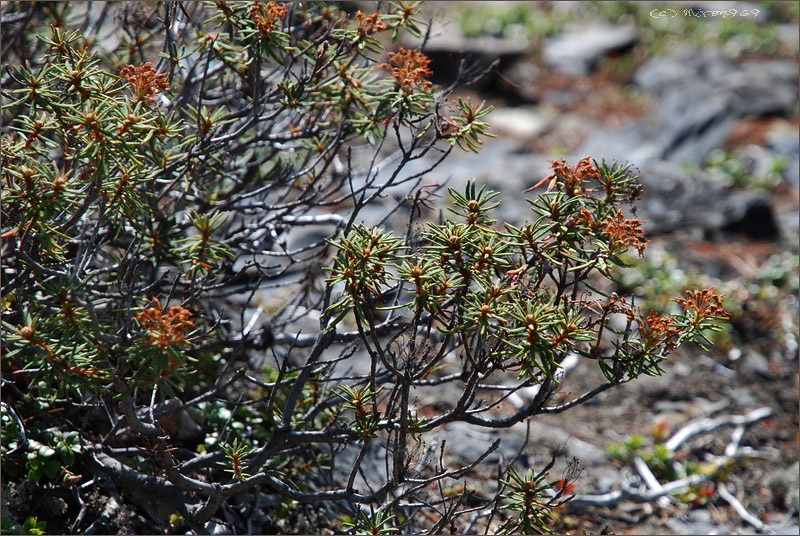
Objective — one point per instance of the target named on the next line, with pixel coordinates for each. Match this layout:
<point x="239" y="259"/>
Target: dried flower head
<point x="145" y="81"/>
<point x="572" y="179"/>
<point x="658" y="330"/>
<point x="265" y="16"/>
<point x="369" y="24"/>
<point x="409" y="68"/>
<point x="165" y="329"/>
<point x="585" y="169"/>
<point x="624" y="232"/>
<point x="704" y="303"/>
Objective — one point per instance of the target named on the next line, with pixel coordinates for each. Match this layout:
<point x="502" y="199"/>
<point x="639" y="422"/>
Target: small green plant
<point x="510" y="21"/>
<point x="365" y="420"/>
<point x="655" y="454"/>
<point x="778" y="273"/>
<point x="52" y="461"/>
<point x="530" y="499"/>
<point x="237" y="453"/>
<point x="372" y="522"/>
<point x="31" y="525"/>
<point x="734" y="169"/>
<point x="624" y="450"/>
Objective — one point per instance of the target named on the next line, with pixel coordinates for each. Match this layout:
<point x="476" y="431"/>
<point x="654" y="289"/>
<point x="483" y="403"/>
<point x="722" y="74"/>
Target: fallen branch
<point x="628" y="493"/>
<point x="656" y="490"/>
<point x="707" y="425"/>
<point x="650" y="479"/>
<point x="723" y="492"/>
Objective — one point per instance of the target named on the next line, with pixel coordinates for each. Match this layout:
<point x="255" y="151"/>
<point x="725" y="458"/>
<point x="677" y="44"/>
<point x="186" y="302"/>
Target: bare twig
<point x="722" y="489"/>
<point x="708" y="425"/>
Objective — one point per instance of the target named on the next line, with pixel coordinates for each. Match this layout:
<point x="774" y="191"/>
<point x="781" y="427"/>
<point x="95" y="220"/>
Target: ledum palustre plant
<point x="155" y="199"/>
<point x="518" y="298"/>
<point x="505" y="300"/>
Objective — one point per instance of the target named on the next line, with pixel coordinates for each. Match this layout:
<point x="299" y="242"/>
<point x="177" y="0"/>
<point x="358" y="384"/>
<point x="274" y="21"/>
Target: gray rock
<point x="688" y="525"/>
<point x="787" y="33"/>
<point x="466" y="443"/>
<point x="606" y="479"/>
<point x="789" y="223"/>
<point x="755" y="364"/>
<point x="683" y="369"/>
<point x="785" y="488"/>
<point x="742" y="396"/>
<point x="784" y="141"/>
<point x="700" y="94"/>
<point x="759" y="163"/>
<point x="446" y="39"/>
<point x="664" y="406"/>
<point x="373" y="466"/>
<point x="634" y="142"/>
<point x="676" y="199"/>
<point x="687" y="132"/>
<point x="577" y="50"/>
<point x="749" y="213"/>
<point x="448" y="49"/>
<point x="691" y="76"/>
<point x="452" y="43"/>
<point x="522" y="76"/>
<point x="588" y="454"/>
<point x="561" y="97"/>
<point x="520" y="123"/>
<point x="298" y="237"/>
<point x="752" y="88"/>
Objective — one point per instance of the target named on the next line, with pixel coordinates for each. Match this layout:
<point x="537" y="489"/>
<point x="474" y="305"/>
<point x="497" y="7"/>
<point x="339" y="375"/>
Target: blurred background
<point x="702" y="99"/>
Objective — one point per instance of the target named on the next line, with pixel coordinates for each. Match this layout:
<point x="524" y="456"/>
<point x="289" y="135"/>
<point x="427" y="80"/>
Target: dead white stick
<point x="701" y="426"/>
<point x="646" y="474"/>
<point x="318" y="219"/>
<point x="638" y="496"/>
<point x="650" y="479"/>
<point x="253" y="320"/>
<point x="736" y="438"/>
<point x="722" y="489"/>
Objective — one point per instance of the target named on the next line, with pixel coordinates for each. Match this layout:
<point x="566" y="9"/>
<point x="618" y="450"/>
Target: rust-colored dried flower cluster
<point x="146" y="82"/>
<point x="703" y="303"/>
<point x="624" y="232"/>
<point x="409" y="68"/>
<point x="618" y="231"/>
<point x="572" y="178"/>
<point x="265" y="16"/>
<point x="621" y="232"/>
<point x="369" y="24"/>
<point x="658" y="330"/>
<point x="165" y="329"/>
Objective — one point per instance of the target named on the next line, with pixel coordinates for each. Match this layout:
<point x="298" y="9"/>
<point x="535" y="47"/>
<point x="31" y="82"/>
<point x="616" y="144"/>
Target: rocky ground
<point x="713" y="132"/>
